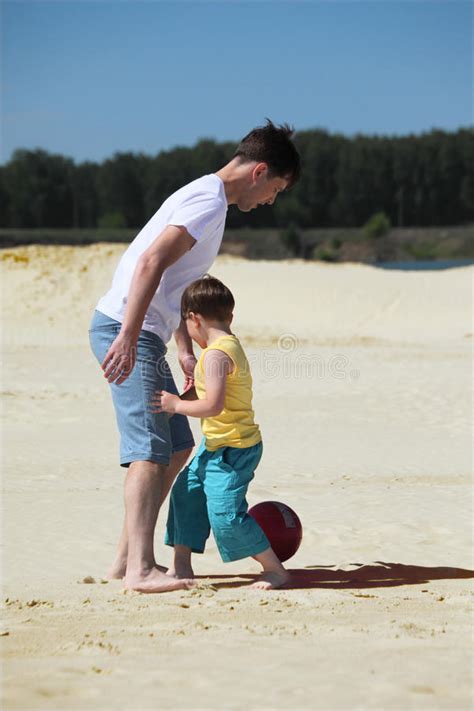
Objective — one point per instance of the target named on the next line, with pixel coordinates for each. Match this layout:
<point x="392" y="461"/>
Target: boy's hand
<point x="164" y="402"/>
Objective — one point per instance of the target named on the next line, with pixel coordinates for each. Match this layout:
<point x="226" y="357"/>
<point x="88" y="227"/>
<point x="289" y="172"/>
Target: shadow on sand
<point x="375" y="575"/>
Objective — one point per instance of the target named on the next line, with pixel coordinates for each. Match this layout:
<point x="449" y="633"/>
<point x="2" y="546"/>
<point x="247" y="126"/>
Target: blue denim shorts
<point x="143" y="435"/>
<point x="210" y="493"/>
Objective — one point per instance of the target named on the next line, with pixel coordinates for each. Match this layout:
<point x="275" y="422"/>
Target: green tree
<point x="4" y="201"/>
<point x="377" y="226"/>
<point x="420" y="180"/>
<point x="38" y="185"/>
<point x="292" y="240"/>
<point x="121" y="184"/>
<point x="86" y="198"/>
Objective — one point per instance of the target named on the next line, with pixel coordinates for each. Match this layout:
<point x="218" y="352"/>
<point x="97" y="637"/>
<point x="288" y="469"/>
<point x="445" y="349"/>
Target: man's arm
<point x="186" y="357"/>
<point x="182" y="338"/>
<point x="167" y="248"/>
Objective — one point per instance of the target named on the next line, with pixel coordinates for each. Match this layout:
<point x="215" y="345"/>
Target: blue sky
<point x="88" y="79"/>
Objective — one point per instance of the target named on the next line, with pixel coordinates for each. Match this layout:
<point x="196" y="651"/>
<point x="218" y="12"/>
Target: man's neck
<point x="234" y="175"/>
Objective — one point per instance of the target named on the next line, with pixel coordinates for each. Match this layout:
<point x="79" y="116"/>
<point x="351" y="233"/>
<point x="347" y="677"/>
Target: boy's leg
<point x="228" y="475"/>
<point x="274" y="575"/>
<point x="188" y="527"/>
<point x="181" y="567"/>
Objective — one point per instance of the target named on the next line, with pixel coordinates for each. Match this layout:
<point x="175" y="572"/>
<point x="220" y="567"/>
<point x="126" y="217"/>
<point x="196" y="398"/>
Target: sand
<point x="362" y="390"/>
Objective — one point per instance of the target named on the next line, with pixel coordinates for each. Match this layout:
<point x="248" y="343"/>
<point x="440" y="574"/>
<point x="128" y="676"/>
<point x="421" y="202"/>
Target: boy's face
<point x="261" y="190"/>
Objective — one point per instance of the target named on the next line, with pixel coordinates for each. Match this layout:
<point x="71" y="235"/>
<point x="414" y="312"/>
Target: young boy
<point x="210" y="492"/>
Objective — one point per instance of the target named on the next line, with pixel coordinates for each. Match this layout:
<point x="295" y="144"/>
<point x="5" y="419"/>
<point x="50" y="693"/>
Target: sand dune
<point x="56" y="288"/>
<point x="361" y="380"/>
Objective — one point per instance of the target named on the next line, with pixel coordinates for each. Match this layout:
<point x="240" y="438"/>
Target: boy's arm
<point x="217" y="366"/>
<point x="167" y="248"/>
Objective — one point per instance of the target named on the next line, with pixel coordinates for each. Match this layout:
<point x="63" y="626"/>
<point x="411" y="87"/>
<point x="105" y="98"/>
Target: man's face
<point x="262" y="189"/>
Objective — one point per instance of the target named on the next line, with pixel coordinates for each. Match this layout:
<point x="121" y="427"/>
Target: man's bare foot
<point x="180" y="572"/>
<point x="269" y="580"/>
<point x="154" y="581"/>
<point x="119" y="570"/>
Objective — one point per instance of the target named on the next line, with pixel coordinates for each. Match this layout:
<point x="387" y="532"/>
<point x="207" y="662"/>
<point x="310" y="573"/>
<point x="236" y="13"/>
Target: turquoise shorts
<point x="210" y="494"/>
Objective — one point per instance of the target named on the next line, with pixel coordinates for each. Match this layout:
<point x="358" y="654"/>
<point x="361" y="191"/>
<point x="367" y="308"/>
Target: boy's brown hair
<point x="209" y="297"/>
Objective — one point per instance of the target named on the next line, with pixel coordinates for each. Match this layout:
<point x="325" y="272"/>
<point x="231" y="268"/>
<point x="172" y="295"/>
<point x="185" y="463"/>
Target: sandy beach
<point x="362" y="391"/>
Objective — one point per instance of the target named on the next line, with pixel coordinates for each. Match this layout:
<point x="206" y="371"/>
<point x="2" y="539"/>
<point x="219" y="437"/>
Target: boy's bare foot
<point x="269" y="580"/>
<point x="154" y="581"/>
<point x="273" y="574"/>
<point x="180" y="571"/>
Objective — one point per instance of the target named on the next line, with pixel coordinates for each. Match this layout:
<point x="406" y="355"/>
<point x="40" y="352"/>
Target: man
<point x="137" y="316"/>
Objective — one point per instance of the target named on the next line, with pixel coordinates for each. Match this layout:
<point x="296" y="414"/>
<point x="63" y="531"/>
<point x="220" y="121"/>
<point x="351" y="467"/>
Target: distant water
<point x="426" y="265"/>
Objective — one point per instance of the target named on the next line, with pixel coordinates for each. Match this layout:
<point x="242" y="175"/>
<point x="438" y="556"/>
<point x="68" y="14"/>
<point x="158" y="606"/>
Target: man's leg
<point x="144" y="485"/>
<point x="177" y="462"/>
<point x="145" y="438"/>
<point x="119" y="566"/>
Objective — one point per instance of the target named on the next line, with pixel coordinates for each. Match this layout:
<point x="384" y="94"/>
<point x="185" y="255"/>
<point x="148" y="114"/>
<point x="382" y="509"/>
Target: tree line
<point x="417" y="180"/>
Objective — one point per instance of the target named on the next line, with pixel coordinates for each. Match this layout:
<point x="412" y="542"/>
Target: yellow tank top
<point x="235" y="425"/>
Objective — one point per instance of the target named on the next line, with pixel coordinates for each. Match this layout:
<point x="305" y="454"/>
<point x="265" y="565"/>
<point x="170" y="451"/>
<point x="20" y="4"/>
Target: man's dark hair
<point x="272" y="145"/>
<point x="209" y="297"/>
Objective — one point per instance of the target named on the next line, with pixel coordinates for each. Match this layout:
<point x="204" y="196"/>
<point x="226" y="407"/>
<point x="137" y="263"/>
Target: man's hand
<point x="164" y="402"/>
<point x="187" y="362"/>
<point x="120" y="359"/>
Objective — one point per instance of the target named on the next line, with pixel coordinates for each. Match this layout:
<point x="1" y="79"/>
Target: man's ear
<point x="259" y="170"/>
<point x="231" y="318"/>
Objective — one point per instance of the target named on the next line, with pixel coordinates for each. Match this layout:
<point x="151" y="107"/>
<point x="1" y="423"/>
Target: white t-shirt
<point x="200" y="207"/>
